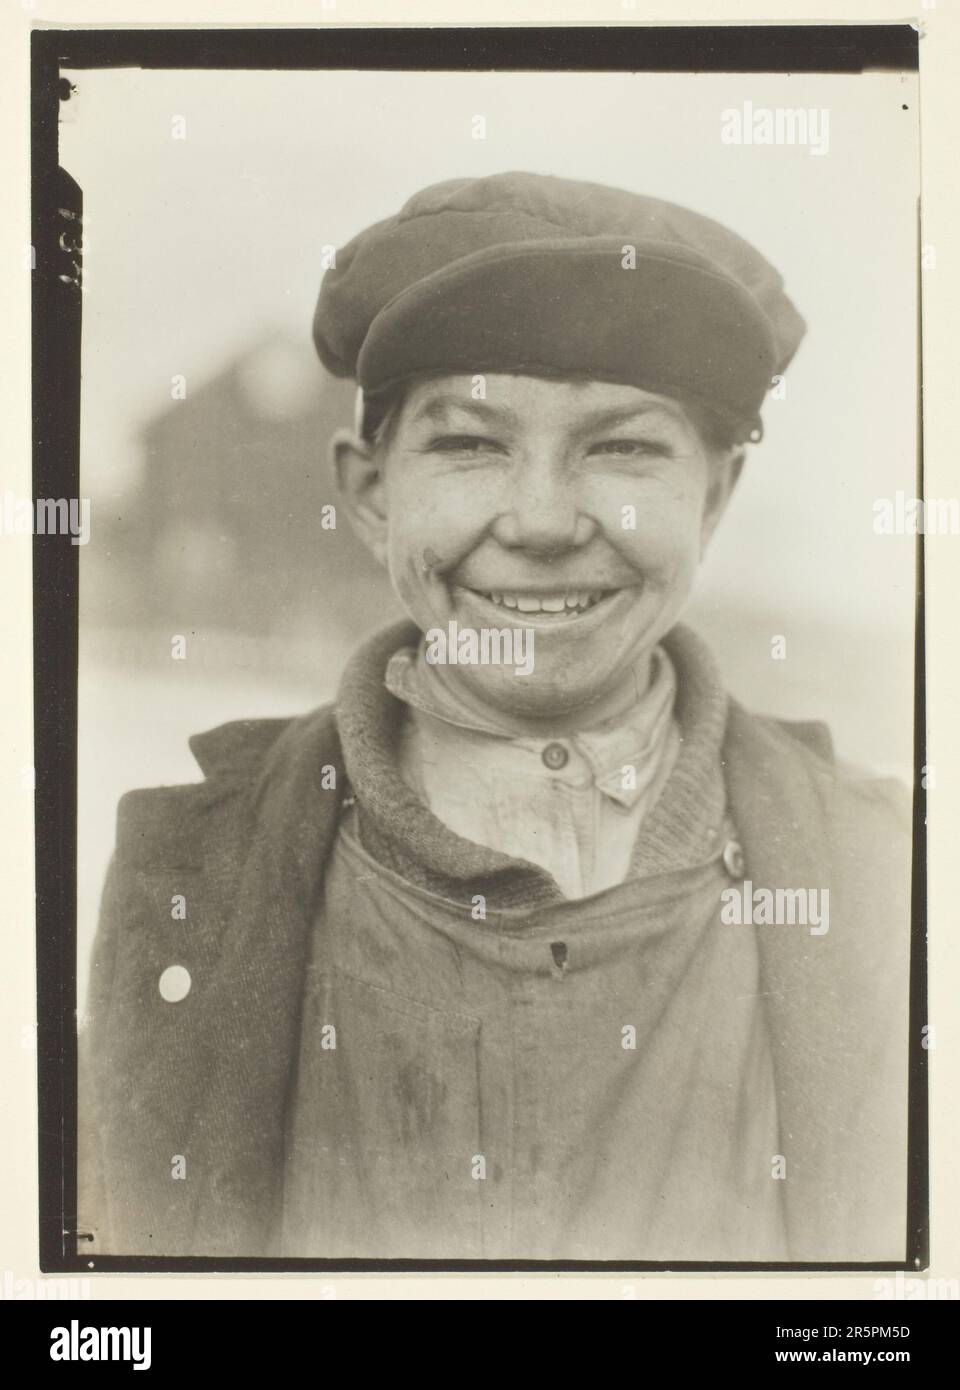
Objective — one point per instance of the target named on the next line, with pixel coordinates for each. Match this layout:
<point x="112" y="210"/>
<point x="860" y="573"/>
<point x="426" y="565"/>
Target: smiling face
<point x="577" y="509"/>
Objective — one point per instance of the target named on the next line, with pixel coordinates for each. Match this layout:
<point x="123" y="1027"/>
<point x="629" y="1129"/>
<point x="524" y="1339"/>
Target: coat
<point x="205" y="1081"/>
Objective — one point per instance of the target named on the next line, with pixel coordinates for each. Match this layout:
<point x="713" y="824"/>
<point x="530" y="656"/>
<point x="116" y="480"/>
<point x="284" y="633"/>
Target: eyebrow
<point x="435" y="409"/>
<point x="611" y="416"/>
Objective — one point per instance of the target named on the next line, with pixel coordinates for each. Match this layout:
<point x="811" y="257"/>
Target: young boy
<point x="465" y="970"/>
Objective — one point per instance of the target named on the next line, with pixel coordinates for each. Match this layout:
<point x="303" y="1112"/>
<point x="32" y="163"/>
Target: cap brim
<point x="653" y="316"/>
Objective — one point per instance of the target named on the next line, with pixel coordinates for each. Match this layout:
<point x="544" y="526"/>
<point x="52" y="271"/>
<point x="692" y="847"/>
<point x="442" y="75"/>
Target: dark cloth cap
<point x="528" y="273"/>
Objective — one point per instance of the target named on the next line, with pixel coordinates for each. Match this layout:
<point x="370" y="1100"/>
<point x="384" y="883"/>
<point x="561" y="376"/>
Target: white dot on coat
<point x="175" y="983"/>
<point x="733" y="859"/>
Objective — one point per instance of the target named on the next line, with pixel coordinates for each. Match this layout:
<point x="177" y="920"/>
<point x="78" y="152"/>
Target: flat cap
<point x="528" y="273"/>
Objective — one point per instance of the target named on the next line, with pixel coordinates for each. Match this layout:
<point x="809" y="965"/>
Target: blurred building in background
<point x="226" y="529"/>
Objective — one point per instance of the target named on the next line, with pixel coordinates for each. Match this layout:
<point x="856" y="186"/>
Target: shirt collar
<point x="621" y="755"/>
<point x="397" y="827"/>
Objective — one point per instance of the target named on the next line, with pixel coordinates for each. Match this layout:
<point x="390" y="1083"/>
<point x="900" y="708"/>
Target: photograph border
<point x="57" y="312"/>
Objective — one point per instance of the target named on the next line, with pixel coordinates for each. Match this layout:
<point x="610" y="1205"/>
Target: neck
<point x="612" y="704"/>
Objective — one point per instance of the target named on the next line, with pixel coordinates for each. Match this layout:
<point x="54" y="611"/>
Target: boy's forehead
<point x="522" y="398"/>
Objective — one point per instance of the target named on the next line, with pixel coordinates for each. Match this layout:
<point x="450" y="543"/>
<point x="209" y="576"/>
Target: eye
<point x="464" y="444"/>
<point x="632" y="448"/>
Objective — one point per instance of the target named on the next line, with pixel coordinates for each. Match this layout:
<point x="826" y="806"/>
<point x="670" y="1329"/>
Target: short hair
<point x="380" y="416"/>
<point x="719" y="433"/>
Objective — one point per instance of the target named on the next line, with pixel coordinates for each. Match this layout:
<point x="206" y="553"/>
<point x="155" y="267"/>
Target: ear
<point x="359" y="471"/>
<point x="725" y="470"/>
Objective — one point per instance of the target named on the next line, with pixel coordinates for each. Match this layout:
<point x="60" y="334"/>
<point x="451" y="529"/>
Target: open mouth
<point x="567" y="603"/>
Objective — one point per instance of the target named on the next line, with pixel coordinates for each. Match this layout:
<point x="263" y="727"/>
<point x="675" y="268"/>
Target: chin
<point x="537" y="696"/>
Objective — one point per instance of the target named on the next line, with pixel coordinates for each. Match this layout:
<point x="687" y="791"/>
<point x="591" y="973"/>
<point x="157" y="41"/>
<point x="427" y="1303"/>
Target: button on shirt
<point x="572" y="805"/>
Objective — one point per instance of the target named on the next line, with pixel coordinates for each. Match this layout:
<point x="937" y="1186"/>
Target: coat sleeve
<point x="93" y="1216"/>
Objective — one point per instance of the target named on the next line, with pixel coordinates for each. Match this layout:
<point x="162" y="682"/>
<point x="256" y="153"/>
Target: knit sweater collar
<point x="399" y="829"/>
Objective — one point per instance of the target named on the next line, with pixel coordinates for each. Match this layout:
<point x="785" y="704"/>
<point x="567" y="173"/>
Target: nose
<point x="543" y="508"/>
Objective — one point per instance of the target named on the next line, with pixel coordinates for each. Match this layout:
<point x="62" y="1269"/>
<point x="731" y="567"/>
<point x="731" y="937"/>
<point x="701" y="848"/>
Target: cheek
<point x="412" y="553"/>
<point x="428" y="533"/>
<point x="430" y="529"/>
<point x="666" y="536"/>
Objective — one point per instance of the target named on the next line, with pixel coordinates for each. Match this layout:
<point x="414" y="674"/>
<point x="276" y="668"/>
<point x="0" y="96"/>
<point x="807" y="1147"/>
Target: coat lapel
<point x="254" y="996"/>
<point x="836" y="1003"/>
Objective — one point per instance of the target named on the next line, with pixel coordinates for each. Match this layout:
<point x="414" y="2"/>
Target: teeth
<point x="575" y="601"/>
